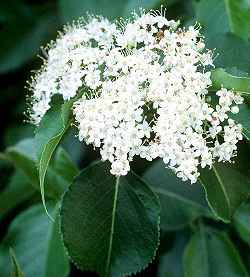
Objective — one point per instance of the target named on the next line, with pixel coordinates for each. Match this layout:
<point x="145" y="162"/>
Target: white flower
<point x="146" y="88"/>
<point x="235" y="109"/>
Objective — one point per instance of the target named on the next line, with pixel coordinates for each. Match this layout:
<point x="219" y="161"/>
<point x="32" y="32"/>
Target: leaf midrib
<point x="107" y="270"/>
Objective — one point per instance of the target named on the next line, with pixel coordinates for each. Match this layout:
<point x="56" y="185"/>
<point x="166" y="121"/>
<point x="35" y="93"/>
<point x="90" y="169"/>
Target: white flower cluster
<point x="72" y="62"/>
<point x="145" y="85"/>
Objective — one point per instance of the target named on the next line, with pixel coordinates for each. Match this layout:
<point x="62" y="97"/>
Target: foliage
<point x="100" y="223"/>
<point x="119" y="216"/>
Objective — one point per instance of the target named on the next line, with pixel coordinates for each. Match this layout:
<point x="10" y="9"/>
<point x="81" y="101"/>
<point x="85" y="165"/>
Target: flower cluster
<point x="145" y="84"/>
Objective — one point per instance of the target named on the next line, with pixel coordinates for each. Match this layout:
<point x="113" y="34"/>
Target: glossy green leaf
<point x="37" y="245"/>
<point x="63" y="165"/>
<point x="239" y="17"/>
<point x="60" y="173"/>
<point x="16" y="133"/>
<point x="110" y="225"/>
<point x="227" y="185"/>
<point x="16" y="270"/>
<point x="77" y="149"/>
<point x="224" y="16"/>
<point x="215" y="21"/>
<point x="50" y="132"/>
<point x="241" y="221"/>
<point x="170" y="263"/>
<point x="211" y="253"/>
<point x="240" y="84"/>
<point x="16" y="192"/>
<point x="73" y="9"/>
<point x="22" y="155"/>
<point x="181" y="202"/>
<point x="230" y="50"/>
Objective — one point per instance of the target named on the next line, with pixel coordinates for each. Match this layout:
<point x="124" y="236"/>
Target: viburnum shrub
<point x="142" y="86"/>
<point x="139" y="89"/>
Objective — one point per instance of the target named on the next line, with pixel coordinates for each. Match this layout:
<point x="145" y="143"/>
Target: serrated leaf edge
<point x="130" y="273"/>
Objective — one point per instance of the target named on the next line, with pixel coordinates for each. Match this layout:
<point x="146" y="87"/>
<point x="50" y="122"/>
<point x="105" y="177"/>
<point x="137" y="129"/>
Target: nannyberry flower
<point x="146" y="83"/>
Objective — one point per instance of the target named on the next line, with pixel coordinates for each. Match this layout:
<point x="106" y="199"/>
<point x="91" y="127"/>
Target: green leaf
<point x="21" y="40"/>
<point x="220" y="78"/>
<point x="16" y="133"/>
<point x="63" y="165"/>
<point x="60" y="173"/>
<point x="110" y="225"/>
<point x="78" y="151"/>
<point x="37" y="245"/>
<point x="239" y="17"/>
<point x="225" y="16"/>
<point x="50" y="132"/>
<point x="73" y="9"/>
<point x="227" y="185"/>
<point x="211" y="253"/>
<point x="215" y="21"/>
<point x="232" y="51"/>
<point x="170" y="264"/>
<point x="22" y="155"/>
<point x="181" y="203"/>
<point x="16" y="270"/>
<point x="241" y="221"/>
<point x="16" y="192"/>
